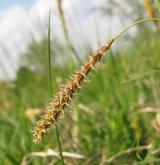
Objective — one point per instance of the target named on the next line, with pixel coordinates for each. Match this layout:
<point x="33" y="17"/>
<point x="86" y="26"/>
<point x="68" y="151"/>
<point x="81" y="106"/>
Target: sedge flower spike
<point x="56" y="107"/>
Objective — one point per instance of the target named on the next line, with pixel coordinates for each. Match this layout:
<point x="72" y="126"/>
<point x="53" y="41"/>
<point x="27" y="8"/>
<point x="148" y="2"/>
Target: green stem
<point x="49" y="54"/>
<point x="134" y="24"/>
<point x="50" y="84"/>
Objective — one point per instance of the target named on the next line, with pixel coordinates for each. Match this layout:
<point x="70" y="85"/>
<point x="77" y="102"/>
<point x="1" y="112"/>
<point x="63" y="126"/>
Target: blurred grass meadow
<point x="114" y="119"/>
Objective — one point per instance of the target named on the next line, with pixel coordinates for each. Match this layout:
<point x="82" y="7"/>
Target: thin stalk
<point x="134" y="24"/>
<point x="50" y="84"/>
<point x="49" y="54"/>
<point x="65" y="31"/>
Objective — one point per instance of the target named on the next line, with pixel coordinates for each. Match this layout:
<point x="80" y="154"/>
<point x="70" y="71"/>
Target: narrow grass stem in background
<point x="50" y="83"/>
<point x="49" y="53"/>
<point x="65" y="30"/>
<point x="62" y="99"/>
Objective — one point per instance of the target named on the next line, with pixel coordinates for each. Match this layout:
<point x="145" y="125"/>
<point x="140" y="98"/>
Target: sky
<point x="21" y="21"/>
<point x="4" y="4"/>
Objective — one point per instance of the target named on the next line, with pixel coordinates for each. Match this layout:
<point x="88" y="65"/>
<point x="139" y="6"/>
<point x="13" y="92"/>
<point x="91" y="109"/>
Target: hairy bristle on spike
<point x="55" y="108"/>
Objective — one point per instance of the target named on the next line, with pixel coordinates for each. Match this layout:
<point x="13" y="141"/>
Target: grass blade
<point x="50" y="82"/>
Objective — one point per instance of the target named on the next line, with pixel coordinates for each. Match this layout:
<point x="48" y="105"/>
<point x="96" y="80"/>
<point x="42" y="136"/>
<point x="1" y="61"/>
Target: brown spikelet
<point x="55" y="108"/>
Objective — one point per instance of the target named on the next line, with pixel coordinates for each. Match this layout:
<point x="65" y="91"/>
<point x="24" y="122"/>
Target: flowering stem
<point x="134" y="24"/>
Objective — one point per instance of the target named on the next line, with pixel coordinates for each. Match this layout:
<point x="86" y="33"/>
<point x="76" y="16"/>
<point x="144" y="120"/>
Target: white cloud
<point x="18" y="25"/>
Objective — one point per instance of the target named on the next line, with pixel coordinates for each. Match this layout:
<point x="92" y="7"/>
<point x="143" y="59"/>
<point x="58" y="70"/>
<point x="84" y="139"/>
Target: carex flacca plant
<point x="61" y="100"/>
